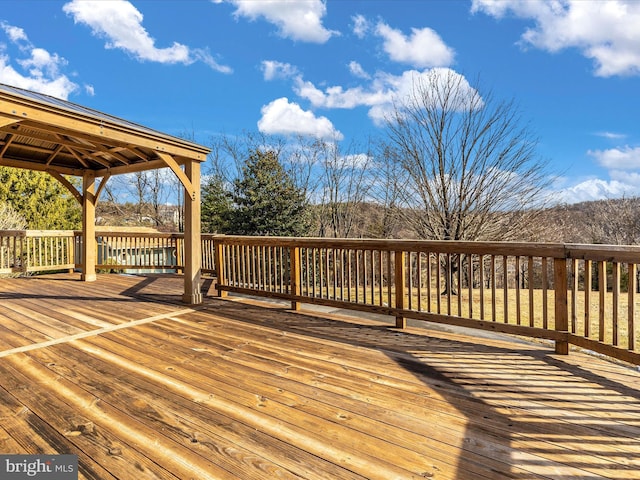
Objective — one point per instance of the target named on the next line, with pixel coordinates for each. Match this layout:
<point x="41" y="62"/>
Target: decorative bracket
<point x="173" y="165"/>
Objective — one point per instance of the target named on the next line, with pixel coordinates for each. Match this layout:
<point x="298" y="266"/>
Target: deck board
<point x="140" y="386"/>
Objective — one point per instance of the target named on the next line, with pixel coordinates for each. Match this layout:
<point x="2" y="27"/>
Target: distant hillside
<point x="613" y="221"/>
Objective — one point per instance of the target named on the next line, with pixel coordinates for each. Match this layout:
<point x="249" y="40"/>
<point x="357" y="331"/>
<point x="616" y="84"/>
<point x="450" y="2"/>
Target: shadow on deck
<point x="138" y="385"/>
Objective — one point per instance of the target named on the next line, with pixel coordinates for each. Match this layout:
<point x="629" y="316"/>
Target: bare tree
<point x="615" y="221"/>
<point x="345" y="180"/>
<point x="467" y="168"/>
<point x="10" y="219"/>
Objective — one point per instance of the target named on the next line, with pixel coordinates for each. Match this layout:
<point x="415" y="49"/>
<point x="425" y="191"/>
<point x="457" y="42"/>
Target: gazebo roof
<point x="40" y="132"/>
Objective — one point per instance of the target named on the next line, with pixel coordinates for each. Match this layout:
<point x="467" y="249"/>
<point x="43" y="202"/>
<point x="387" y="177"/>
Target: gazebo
<point x="43" y="133"/>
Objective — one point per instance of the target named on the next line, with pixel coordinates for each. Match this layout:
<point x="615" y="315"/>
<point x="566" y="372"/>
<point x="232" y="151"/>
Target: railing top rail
<point x="49" y="233"/>
<point x="619" y="253"/>
<point x="610" y="253"/>
<point x="13" y="233"/>
<point x="497" y="248"/>
<point x="115" y="233"/>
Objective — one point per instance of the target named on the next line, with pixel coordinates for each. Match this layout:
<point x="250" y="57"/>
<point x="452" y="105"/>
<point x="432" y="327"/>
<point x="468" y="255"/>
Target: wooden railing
<point x="32" y="251"/>
<point x="26" y="251"/>
<point x="127" y="251"/>
<point x="585" y="295"/>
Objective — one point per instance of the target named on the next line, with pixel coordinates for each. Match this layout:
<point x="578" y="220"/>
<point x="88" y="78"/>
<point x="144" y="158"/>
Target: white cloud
<point x="287" y="118"/>
<point x="623" y="158"/>
<point x="120" y="23"/>
<point x="297" y="20"/>
<point x="15" y="34"/>
<point x="595" y="189"/>
<point x="607" y="32"/>
<point x="337" y="97"/>
<point x="39" y="70"/>
<point x="611" y="135"/>
<point x="356" y="69"/>
<point x="423" y="49"/>
<point x="381" y="93"/>
<point x="361" y="26"/>
<point x="272" y="70"/>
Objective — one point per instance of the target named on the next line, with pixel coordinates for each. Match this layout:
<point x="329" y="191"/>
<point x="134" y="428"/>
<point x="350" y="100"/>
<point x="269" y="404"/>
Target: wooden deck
<point x="140" y="386"/>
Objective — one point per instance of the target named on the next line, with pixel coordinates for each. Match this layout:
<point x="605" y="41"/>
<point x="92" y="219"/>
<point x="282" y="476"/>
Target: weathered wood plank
<point x="239" y="390"/>
<point x="242" y="449"/>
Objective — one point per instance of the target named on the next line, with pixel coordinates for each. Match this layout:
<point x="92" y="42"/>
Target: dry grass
<point x="523" y="307"/>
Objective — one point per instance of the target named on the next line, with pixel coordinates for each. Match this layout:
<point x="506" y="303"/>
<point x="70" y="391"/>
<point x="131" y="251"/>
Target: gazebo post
<point x="192" y="248"/>
<point x="88" y="226"/>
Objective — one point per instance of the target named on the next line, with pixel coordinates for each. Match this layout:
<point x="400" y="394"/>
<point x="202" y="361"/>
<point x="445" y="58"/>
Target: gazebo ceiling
<point x="39" y="132"/>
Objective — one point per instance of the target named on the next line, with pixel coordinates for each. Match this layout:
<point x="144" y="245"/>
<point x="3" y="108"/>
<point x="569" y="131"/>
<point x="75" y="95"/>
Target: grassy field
<point x="484" y="306"/>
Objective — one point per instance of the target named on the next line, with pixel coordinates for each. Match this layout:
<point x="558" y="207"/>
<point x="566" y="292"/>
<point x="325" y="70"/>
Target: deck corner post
<point x="400" y="287"/>
<point x="220" y="261"/>
<point x="560" y="285"/>
<point x="295" y="276"/>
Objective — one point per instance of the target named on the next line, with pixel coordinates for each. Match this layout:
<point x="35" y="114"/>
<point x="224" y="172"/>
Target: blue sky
<point x="331" y="69"/>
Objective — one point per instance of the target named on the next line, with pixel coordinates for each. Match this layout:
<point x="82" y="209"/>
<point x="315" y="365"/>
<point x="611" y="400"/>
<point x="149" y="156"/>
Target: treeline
<point x="266" y="200"/>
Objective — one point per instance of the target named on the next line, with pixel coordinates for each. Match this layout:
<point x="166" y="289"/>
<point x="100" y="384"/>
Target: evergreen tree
<point x="216" y="206"/>
<point x="40" y="199"/>
<point x="266" y="200"/>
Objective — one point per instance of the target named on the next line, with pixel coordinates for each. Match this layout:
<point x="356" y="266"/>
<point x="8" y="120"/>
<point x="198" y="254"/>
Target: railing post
<point x="400" y="284"/>
<point x="560" y="285"/>
<point x="70" y="243"/>
<point x="219" y="266"/>
<point x="24" y="254"/>
<point x="294" y="254"/>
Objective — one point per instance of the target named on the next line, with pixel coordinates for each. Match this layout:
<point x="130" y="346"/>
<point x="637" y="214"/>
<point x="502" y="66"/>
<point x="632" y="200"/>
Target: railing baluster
<point x="561" y="319"/>
<point x="459" y="289"/>
<point x="429" y="280"/>
<point x="545" y="294"/>
<point x="616" y="302"/>
<point x="574" y="294"/>
<point x="481" y="276"/>
<point x="602" y="286"/>
<point x="494" y="313"/>
<point x="505" y="287"/>
<point x="518" y="299"/>
<point x="470" y="283"/>
<point x="400" y="284"/>
<point x="631" y="306"/>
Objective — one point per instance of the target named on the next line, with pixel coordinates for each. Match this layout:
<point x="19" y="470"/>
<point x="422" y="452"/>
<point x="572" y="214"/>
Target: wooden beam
<point x="133" y="149"/>
<point x="91" y="145"/>
<point x="133" y="168"/>
<point x="54" y="154"/>
<point x="7" y="144"/>
<point x="40" y="167"/>
<point x="78" y="157"/>
<point x="192" y="247"/>
<point x="70" y="186"/>
<point x="7" y="120"/>
<point x="103" y="183"/>
<point x="89" y="227"/>
<point x="72" y="122"/>
<point x="186" y="182"/>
